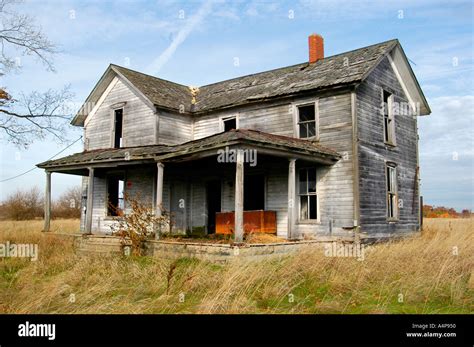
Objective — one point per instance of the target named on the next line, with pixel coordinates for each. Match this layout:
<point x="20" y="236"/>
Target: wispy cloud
<point x="190" y="25"/>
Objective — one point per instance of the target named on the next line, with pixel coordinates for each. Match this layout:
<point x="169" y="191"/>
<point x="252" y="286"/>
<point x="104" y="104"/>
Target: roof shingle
<point x="155" y="152"/>
<point x="341" y="69"/>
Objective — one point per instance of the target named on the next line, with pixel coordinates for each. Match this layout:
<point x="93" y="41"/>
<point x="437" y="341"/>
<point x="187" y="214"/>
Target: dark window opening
<point x="115" y="198"/>
<point x="254" y="192"/>
<point x="392" y="192"/>
<point x="118" y="128"/>
<point x="230" y="124"/>
<point x="307" y="121"/>
<point x="388" y="117"/>
<point x="307" y="193"/>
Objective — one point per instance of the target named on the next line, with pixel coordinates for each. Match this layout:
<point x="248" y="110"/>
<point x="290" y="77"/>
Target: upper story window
<point x="229" y="123"/>
<point x="388" y="120"/>
<point x="118" y="128"/>
<point x="307" y="194"/>
<point x="307" y="121"/>
<point x="392" y="192"/>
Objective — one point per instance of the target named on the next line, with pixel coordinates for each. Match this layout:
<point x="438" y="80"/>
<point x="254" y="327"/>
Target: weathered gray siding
<point x="139" y="120"/>
<point x="335" y="183"/>
<point x="174" y="128"/>
<point x="373" y="154"/>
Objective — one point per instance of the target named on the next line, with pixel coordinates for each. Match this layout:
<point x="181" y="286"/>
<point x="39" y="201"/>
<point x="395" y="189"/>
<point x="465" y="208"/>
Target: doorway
<point x="213" y="195"/>
<point x="254" y="192"/>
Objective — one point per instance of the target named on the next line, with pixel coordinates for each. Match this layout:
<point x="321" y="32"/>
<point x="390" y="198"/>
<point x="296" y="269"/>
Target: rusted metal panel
<point x="254" y="221"/>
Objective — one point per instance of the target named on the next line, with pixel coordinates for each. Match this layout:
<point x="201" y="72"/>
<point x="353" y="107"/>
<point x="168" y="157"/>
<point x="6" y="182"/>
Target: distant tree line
<point x="29" y="204"/>
<point x="430" y="211"/>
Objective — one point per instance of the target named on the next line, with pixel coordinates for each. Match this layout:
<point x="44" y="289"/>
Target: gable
<point x="139" y="120"/>
<point x="402" y="69"/>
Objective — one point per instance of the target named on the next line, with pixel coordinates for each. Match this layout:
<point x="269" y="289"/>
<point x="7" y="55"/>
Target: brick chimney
<point x="316" y="48"/>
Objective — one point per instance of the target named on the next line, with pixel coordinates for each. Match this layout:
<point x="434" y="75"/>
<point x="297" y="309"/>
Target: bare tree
<point x="68" y="205"/>
<point x="36" y="115"/>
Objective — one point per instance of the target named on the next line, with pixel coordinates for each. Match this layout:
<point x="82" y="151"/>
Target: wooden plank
<point x="239" y="197"/>
<point x="90" y="199"/>
<point x="292" y="231"/>
<point x="47" y="203"/>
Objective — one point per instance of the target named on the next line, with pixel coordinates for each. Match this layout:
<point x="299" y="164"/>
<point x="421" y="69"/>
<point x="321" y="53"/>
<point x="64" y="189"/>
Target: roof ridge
<point x="144" y="74"/>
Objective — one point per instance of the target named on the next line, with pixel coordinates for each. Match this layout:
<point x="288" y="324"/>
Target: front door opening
<point x="213" y="193"/>
<point x="254" y="192"/>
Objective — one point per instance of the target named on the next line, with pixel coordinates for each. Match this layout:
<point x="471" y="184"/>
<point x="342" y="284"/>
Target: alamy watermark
<point x="19" y="250"/>
<point x="229" y="155"/>
<point x="348" y="250"/>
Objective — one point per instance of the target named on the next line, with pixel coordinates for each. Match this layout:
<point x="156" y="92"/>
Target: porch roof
<point x="243" y="138"/>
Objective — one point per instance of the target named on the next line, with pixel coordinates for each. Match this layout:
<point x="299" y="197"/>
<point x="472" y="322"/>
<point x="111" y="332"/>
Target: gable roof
<point x="210" y="144"/>
<point x="338" y="70"/>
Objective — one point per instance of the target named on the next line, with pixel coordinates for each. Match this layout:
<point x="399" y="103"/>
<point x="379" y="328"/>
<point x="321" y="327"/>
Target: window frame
<point x="308" y="194"/>
<point x="114" y="123"/>
<point x="391" y="167"/>
<point x="296" y="119"/>
<point x="223" y="119"/>
<point x="107" y="186"/>
<point x="390" y="131"/>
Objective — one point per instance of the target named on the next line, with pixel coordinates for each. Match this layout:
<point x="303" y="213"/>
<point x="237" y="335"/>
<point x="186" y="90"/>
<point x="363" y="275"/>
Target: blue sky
<point x="196" y="43"/>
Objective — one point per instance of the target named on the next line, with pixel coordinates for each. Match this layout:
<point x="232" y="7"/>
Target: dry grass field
<point x="432" y="273"/>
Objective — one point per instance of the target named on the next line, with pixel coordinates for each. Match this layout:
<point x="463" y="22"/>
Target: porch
<point x="233" y="182"/>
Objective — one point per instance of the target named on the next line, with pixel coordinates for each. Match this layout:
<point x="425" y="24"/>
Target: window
<point x="307" y="121"/>
<point x="307" y="194"/>
<point x="388" y="121"/>
<point x="230" y="123"/>
<point x="392" y="208"/>
<point x="118" y="128"/>
<point x="115" y="189"/>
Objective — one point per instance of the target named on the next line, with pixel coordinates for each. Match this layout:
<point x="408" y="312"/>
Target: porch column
<point x="239" y="197"/>
<point x="90" y="198"/>
<point x="291" y="198"/>
<point x="159" y="197"/>
<point x="47" y="202"/>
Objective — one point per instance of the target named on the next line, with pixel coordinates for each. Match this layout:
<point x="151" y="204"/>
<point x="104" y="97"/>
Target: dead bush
<point x="137" y="223"/>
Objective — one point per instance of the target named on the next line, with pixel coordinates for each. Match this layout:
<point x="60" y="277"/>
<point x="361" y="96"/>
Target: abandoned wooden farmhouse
<point x="324" y="148"/>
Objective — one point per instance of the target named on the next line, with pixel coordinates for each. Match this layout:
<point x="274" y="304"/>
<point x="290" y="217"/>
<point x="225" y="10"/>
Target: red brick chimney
<point x="316" y="48"/>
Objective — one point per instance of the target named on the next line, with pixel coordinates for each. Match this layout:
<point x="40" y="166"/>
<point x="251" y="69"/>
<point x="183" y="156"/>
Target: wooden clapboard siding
<point x="198" y="204"/>
<point x="277" y="196"/>
<point x="139" y="183"/>
<point x="174" y="128"/>
<point x="139" y="120"/>
<point x="83" y="203"/>
<point x="274" y="118"/>
<point x="334" y="183"/>
<point x="373" y="154"/>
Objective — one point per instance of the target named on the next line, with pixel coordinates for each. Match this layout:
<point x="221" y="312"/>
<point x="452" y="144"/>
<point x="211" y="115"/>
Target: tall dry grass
<point x="426" y="274"/>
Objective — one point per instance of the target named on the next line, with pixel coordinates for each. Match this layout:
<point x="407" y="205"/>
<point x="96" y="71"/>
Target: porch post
<point x="47" y="202"/>
<point x="159" y="196"/>
<point x="291" y="198"/>
<point x="90" y="198"/>
<point x="239" y="197"/>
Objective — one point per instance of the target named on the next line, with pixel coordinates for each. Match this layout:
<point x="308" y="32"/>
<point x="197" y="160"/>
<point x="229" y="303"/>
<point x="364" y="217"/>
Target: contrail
<point x="193" y="21"/>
